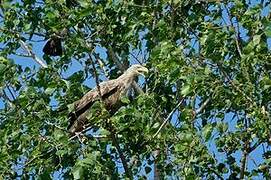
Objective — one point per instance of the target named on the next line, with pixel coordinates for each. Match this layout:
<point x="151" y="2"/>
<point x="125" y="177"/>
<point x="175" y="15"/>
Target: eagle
<point x="110" y="92"/>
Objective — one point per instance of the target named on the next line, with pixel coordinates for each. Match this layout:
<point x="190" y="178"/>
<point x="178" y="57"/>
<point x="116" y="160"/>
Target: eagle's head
<point x="137" y="70"/>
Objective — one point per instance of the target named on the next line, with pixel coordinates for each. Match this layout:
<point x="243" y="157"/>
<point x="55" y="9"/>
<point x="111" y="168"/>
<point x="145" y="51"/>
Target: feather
<point x="111" y="93"/>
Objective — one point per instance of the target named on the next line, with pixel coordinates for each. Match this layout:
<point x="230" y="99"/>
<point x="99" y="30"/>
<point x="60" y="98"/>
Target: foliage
<point x="212" y="56"/>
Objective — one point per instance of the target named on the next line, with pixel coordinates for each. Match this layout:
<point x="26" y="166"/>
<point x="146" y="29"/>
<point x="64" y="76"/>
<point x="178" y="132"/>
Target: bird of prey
<point x="110" y="91"/>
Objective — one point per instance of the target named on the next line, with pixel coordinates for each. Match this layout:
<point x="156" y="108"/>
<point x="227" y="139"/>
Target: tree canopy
<point x="203" y="111"/>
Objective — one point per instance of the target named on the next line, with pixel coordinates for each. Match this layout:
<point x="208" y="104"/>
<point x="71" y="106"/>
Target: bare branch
<point x="201" y="108"/>
<point x="168" y="117"/>
<point x="135" y="57"/>
<point x="32" y="54"/>
<point x="77" y="134"/>
<point x="54" y="125"/>
<point x="11" y="93"/>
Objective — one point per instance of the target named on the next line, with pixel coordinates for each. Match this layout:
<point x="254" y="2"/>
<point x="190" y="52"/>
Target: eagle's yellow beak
<point x="142" y="71"/>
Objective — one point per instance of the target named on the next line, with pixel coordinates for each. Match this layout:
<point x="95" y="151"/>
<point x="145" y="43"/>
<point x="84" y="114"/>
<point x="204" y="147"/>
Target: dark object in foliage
<point x="53" y="47"/>
<point x="71" y="3"/>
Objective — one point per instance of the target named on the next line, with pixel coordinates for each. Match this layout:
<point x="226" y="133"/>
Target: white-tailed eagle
<point x="110" y="91"/>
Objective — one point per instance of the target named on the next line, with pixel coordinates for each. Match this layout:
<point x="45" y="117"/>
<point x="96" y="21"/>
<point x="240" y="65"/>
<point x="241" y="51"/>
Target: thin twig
<point x="11" y="93"/>
<point x="101" y="64"/>
<point x="33" y="55"/>
<point x="201" y="108"/>
<point x="168" y="117"/>
<point x="54" y="125"/>
<point x="135" y="58"/>
<point x="77" y="134"/>
<point x="5" y="97"/>
<point x="236" y="34"/>
<point x="252" y="148"/>
<point x="96" y="77"/>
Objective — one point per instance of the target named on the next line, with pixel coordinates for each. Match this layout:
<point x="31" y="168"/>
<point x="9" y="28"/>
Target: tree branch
<point x="244" y="160"/>
<point x="122" y="157"/>
<point x="11" y="93"/>
<point x="111" y="129"/>
<point x="101" y="64"/>
<point x="245" y="152"/>
<point x="156" y="175"/>
<point x="77" y="134"/>
<point x="32" y="54"/>
<point x="168" y="117"/>
<point x="96" y="77"/>
<point x="236" y="34"/>
<point x="201" y="108"/>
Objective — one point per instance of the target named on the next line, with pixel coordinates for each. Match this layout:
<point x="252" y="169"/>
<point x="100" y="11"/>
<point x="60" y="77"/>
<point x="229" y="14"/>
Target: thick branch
<point x="156" y="175"/>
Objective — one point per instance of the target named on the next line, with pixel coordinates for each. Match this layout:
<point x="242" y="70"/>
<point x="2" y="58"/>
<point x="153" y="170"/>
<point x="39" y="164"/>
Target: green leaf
<point x="78" y="172"/>
<point x="267" y="30"/>
<point x="156" y="125"/>
<point x="207" y="132"/>
<point x="125" y="99"/>
<point x="49" y="90"/>
<point x="2" y="68"/>
<point x="186" y="90"/>
<point x="58" y="134"/>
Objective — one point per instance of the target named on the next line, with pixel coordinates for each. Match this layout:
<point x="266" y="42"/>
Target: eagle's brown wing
<point x="110" y="92"/>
